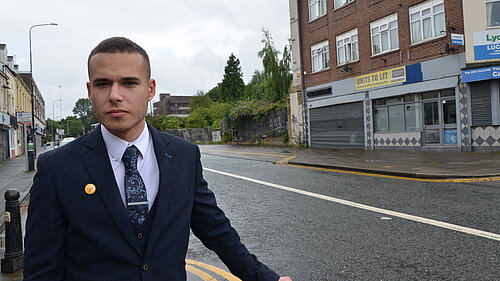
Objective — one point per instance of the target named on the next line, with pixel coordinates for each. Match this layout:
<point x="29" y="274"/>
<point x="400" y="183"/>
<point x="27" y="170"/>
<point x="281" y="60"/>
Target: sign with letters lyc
<point x="487" y="44"/>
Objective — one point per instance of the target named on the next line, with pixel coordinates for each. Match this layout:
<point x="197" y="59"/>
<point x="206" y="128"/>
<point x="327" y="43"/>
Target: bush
<point x="256" y="109"/>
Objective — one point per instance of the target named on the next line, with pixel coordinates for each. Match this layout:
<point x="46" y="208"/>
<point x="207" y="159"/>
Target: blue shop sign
<point x="487" y="52"/>
<point x="478" y="74"/>
<point x="486" y="44"/>
<point x="450" y="136"/>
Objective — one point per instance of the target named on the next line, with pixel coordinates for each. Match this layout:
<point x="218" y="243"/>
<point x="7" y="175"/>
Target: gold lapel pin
<point x="90" y="189"/>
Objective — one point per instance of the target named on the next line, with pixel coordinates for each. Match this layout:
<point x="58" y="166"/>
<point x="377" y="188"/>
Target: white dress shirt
<point x="146" y="164"/>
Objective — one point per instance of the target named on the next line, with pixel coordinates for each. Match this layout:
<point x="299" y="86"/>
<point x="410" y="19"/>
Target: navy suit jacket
<point x="74" y="236"/>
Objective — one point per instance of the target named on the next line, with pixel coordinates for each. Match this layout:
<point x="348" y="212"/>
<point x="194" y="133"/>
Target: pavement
<point x="413" y="164"/>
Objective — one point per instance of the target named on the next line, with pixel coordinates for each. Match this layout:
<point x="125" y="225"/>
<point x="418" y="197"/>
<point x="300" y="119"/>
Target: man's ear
<point x="152" y="89"/>
<point x="88" y="90"/>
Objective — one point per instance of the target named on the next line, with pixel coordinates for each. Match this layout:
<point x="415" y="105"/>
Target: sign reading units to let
<point x="487" y="44"/>
<point x="381" y="78"/>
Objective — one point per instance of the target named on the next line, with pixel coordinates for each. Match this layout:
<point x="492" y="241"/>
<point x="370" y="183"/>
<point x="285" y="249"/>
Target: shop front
<point x="426" y="119"/>
<point x="483" y="84"/>
<point x="337" y="126"/>
<point x="421" y="106"/>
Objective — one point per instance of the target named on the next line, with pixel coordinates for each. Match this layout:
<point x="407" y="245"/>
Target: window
<point x="397" y="114"/>
<point x="427" y="21"/>
<point x="320" y="55"/>
<point x="347" y="47"/>
<point x="412" y="116"/>
<point x="317" y="8"/>
<point x="381" y="119"/>
<point x="492" y="13"/>
<point x="385" y="34"/>
<point x="340" y="3"/>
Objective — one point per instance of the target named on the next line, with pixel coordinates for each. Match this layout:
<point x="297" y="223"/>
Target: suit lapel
<point x="164" y="156"/>
<point x="101" y="172"/>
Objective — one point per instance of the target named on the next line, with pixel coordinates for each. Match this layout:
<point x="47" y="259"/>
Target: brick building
<point x="172" y="105"/>
<point x="383" y="74"/>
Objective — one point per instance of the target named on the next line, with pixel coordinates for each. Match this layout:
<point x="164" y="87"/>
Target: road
<point x="295" y="221"/>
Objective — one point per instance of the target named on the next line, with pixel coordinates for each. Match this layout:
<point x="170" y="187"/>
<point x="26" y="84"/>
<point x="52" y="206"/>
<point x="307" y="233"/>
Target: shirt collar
<point x="116" y="146"/>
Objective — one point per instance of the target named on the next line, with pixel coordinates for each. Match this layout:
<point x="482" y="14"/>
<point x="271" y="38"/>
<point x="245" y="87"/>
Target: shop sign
<point x="381" y="78"/>
<point x="478" y="74"/>
<point x="24" y="117"/>
<point x="487" y="44"/>
<point x="320" y="92"/>
<point x="457" y="39"/>
<point x="4" y="119"/>
<point x="450" y="136"/>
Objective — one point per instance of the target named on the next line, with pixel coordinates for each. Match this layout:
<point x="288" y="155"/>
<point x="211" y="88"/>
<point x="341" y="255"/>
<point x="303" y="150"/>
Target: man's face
<point x="119" y="90"/>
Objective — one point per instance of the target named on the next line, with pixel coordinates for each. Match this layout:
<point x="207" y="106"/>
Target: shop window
<point x="427" y="21"/>
<point x="380" y="119"/>
<point x="347" y="47"/>
<point x="317" y="8"/>
<point x="384" y="34"/>
<point x="492" y="13"/>
<point x="413" y="115"/>
<point x="396" y="118"/>
<point x="409" y="98"/>
<point x="449" y="112"/>
<point x="340" y="3"/>
<point x="430" y="95"/>
<point x="397" y="114"/>
<point x="448" y="93"/>
<point x="320" y="56"/>
<point x="431" y="113"/>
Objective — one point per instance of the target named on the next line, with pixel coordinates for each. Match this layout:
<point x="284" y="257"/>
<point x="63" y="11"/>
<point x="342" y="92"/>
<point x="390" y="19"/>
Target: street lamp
<point x="32" y="147"/>
<point x="53" y="123"/>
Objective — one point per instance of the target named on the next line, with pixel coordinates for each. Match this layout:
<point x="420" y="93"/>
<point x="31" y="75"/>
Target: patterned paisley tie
<point x="135" y="190"/>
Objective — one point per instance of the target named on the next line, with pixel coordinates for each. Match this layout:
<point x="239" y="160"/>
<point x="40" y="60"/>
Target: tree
<point x="277" y="74"/>
<point x="255" y="89"/>
<point x="73" y="127"/>
<point x="201" y="100"/>
<point x="83" y="108"/>
<point x="232" y="86"/>
<point x="214" y="93"/>
<point x="50" y="128"/>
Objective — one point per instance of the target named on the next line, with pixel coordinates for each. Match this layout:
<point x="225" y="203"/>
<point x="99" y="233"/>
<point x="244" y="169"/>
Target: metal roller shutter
<point x="481" y="103"/>
<point x="338" y="126"/>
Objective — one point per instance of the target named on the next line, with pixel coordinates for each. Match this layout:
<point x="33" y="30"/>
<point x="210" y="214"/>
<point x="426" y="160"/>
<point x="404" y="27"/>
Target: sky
<point x="188" y="41"/>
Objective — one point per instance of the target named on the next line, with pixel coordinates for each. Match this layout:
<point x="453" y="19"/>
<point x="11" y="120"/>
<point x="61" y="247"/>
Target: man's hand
<point x="285" y="279"/>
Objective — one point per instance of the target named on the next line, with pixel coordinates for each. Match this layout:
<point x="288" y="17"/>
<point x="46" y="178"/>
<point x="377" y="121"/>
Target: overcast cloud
<point x="188" y="41"/>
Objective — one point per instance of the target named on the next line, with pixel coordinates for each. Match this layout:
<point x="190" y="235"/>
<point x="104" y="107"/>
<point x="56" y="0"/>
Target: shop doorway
<point x="440" y="120"/>
<point x="432" y="126"/>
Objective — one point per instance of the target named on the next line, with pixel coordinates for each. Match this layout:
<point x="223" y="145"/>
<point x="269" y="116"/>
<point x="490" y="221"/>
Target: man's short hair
<point x="120" y="45"/>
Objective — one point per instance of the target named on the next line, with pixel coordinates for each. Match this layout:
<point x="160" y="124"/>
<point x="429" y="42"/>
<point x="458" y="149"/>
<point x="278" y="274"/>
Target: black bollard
<point x="14" y="254"/>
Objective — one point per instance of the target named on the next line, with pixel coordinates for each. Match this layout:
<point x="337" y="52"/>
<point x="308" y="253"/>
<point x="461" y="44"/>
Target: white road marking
<point x="450" y="226"/>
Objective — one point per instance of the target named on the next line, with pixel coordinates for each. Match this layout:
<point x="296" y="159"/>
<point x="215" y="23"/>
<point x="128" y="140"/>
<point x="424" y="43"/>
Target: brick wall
<point x="359" y="14"/>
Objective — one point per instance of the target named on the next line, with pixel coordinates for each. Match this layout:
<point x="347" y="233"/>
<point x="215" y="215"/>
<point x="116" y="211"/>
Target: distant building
<point x="39" y="109"/>
<point x="14" y="98"/>
<point x="172" y="105"/>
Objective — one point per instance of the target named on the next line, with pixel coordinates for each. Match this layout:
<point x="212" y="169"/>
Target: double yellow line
<point x="193" y="267"/>
<point x="285" y="158"/>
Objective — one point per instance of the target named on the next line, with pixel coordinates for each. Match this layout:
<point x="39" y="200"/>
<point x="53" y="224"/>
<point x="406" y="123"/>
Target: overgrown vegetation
<point x="231" y="99"/>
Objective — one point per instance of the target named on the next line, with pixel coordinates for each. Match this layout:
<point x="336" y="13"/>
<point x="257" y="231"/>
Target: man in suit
<point x="117" y="204"/>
